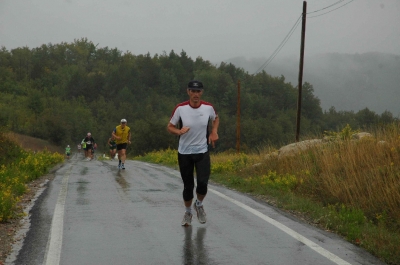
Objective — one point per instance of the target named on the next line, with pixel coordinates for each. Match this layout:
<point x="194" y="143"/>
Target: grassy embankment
<point x="348" y="187"/>
<point x="18" y="167"/>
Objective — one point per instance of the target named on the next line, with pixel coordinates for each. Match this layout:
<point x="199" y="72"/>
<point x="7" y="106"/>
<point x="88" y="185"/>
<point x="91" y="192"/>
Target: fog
<point x="348" y="82"/>
<point x="214" y="30"/>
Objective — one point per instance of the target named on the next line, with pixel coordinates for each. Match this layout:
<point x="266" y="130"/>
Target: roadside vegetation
<point x="344" y="186"/>
<point x="19" y="167"/>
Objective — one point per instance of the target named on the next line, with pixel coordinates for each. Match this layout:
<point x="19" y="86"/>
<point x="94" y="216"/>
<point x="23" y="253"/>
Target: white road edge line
<point x="287" y="230"/>
<point x="314" y="246"/>
<point x="54" y="244"/>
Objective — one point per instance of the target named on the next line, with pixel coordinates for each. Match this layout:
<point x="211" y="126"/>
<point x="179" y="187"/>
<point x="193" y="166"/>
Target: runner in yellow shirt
<point x="83" y="143"/>
<point x="122" y="134"/>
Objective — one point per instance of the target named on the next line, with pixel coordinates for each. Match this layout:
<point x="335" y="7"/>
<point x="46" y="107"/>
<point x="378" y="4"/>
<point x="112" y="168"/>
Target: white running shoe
<point x="201" y="214"/>
<point x="187" y="219"/>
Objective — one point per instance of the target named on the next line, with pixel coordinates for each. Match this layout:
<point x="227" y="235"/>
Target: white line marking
<point x="54" y="244"/>
<point x="314" y="246"/>
<point x="287" y="230"/>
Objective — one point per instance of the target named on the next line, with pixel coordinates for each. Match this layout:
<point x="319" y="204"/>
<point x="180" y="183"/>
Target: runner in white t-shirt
<point x="192" y="117"/>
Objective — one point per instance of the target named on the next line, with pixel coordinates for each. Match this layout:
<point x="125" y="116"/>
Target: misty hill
<point x="349" y="82"/>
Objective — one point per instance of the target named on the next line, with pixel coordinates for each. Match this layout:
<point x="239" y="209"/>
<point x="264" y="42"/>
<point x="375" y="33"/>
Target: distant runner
<point x="122" y="134"/>
<point x="68" y="151"/>
<point x="84" y="147"/>
<point x="113" y="147"/>
<point x="79" y="148"/>
<point x="89" y="140"/>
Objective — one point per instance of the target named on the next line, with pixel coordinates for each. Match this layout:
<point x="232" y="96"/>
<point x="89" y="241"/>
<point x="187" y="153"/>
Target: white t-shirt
<point x="195" y="140"/>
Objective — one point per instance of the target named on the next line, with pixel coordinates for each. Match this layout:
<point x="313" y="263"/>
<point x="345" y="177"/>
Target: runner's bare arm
<point x="173" y="130"/>
<point x="214" y="132"/>
<point x="116" y="137"/>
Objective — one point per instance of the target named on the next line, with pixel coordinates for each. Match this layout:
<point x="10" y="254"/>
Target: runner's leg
<point x="203" y="170"/>
<point x="186" y="167"/>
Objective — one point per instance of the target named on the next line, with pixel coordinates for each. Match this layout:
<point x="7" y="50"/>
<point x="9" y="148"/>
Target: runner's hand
<point x="212" y="138"/>
<point x="184" y="130"/>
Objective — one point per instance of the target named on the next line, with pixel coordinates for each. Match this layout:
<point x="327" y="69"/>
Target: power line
<point x="325" y="7"/>
<point x="277" y="50"/>
<point x="331" y="10"/>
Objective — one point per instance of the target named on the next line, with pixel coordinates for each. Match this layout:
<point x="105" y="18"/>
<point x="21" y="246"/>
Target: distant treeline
<point x="59" y="92"/>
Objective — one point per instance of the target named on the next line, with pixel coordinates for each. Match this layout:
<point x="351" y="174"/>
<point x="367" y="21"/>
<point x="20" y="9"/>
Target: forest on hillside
<point x="59" y="92"/>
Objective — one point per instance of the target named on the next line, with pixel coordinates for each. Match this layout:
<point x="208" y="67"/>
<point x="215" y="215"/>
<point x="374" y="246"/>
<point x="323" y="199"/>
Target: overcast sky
<point x="216" y="30"/>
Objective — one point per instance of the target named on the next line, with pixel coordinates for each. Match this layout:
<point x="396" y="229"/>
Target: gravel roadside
<point x="10" y="235"/>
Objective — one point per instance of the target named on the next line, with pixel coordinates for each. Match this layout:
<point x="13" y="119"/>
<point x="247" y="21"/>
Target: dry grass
<point x="362" y="174"/>
<point x="34" y="144"/>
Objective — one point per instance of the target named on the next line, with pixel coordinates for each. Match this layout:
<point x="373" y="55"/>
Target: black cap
<point x="194" y="84"/>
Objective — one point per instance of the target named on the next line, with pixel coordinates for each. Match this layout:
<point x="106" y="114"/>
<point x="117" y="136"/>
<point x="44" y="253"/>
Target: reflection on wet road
<point x="194" y="251"/>
<point x="133" y="216"/>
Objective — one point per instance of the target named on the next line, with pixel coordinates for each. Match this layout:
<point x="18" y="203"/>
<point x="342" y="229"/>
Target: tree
<point x="310" y="105"/>
<point x="366" y="117"/>
<point x="21" y="62"/>
<point x="149" y="70"/>
<point x="386" y="117"/>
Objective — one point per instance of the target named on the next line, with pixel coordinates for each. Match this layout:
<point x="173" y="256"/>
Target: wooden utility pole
<point x="303" y="34"/>
<point x="238" y="120"/>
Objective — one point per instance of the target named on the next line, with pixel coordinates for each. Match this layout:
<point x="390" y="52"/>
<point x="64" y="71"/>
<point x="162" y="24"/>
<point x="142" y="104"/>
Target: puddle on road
<point x="153" y="176"/>
<point x="81" y="190"/>
<point x="193" y="249"/>
<point x="172" y="186"/>
<point x="84" y="171"/>
<point x="151" y="190"/>
<point x="122" y="182"/>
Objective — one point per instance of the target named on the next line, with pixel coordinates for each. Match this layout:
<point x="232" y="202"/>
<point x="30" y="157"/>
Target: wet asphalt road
<point x="93" y="213"/>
